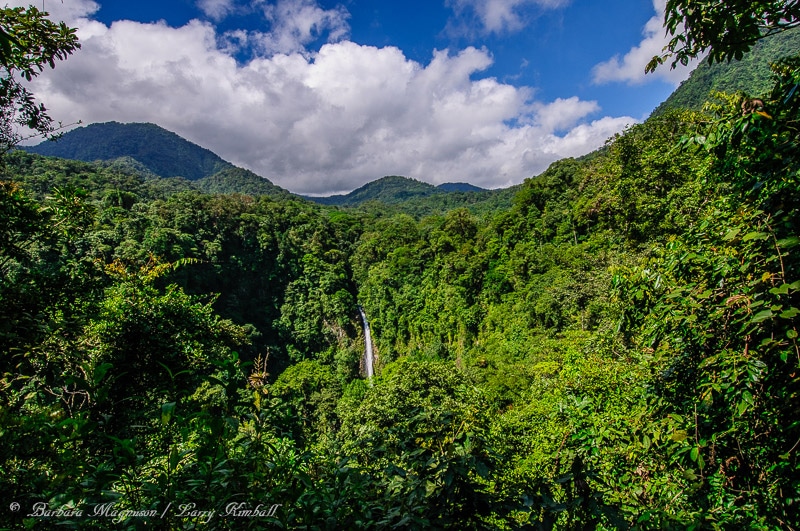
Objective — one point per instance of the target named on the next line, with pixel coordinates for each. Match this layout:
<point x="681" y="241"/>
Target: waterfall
<point x="369" y="359"/>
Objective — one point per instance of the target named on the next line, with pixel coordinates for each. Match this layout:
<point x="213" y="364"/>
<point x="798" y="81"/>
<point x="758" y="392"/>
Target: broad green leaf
<point x="167" y="409"/>
<point x="790" y="313"/>
<point x="789" y="242"/>
<point x="731" y="234"/>
<point x="755" y="236"/>
<point x="741" y="408"/>
<point x="762" y="316"/>
<point x="783" y="289"/>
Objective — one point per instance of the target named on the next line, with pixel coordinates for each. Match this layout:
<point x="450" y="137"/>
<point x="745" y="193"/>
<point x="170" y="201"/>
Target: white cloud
<point x="562" y="114"/>
<point x="216" y="9"/>
<point x="327" y="121"/>
<point x="630" y="67"/>
<point x="75" y="13"/>
<point x="296" y="23"/>
<point x="67" y="10"/>
<point x="497" y="16"/>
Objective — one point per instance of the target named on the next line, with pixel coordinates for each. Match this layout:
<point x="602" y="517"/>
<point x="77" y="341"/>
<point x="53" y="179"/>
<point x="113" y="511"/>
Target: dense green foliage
<point x="751" y="74"/>
<point x="725" y="30"/>
<point x="237" y="180"/>
<point x="400" y="195"/>
<point x="29" y="41"/>
<point x="617" y="349"/>
<point x="481" y="204"/>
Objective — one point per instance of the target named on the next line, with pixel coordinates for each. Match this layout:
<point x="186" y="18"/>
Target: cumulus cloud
<point x="630" y="67"/>
<point x="497" y="16"/>
<point x="216" y="9"/>
<point x="562" y="113"/>
<point x="69" y="11"/>
<point x="76" y="13"/>
<point x="327" y="121"/>
<point x="296" y="23"/>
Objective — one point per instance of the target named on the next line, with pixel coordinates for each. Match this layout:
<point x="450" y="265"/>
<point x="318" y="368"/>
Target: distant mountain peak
<point x="460" y="187"/>
<point x="152" y="152"/>
<point x="391" y="189"/>
<point x="160" y="151"/>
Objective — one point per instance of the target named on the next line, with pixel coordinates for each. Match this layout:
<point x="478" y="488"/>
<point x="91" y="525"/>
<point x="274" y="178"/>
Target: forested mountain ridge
<point x="460" y="187"/>
<point x="162" y="152"/>
<point x="391" y="189"/>
<point x="240" y="181"/>
<point x="153" y="152"/>
<point x="617" y="349"/>
<point x="395" y="194"/>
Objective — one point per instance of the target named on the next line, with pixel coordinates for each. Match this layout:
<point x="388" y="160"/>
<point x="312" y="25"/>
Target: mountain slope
<point x="161" y="152"/>
<point x="391" y="190"/>
<point x="400" y="195"/>
<point x="240" y="181"/>
<point x="751" y="75"/>
<point x="460" y="187"/>
<point x="152" y="152"/>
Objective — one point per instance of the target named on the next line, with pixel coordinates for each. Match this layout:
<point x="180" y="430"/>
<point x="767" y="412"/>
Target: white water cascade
<point x="369" y="359"/>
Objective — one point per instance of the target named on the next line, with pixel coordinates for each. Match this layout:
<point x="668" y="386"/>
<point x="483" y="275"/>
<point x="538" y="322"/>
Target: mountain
<point x="241" y="181"/>
<point x="395" y="195"/>
<point x="460" y="187"/>
<point x="751" y="74"/>
<point x="157" y="150"/>
<point x="482" y="204"/>
<point x="152" y="152"/>
<point x="391" y="190"/>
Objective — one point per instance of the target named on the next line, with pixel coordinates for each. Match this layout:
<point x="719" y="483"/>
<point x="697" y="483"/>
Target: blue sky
<point x="322" y="96"/>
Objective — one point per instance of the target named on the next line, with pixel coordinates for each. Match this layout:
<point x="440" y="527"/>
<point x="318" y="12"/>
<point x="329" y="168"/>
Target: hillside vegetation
<point x="154" y="153"/>
<point x="751" y="74"/>
<point x="616" y="349"/>
<point x="161" y="152"/>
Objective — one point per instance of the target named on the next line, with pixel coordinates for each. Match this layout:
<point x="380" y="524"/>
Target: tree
<point x="28" y="42"/>
<point x="716" y="311"/>
<point x="727" y="29"/>
<point x="421" y="432"/>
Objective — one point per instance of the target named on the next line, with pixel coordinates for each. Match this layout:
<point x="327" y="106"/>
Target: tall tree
<point x="725" y="29"/>
<point x="28" y="41"/>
